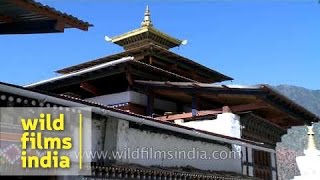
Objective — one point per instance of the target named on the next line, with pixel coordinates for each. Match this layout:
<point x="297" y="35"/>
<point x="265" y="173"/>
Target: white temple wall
<point x="154" y="149"/>
<point x="227" y="124"/>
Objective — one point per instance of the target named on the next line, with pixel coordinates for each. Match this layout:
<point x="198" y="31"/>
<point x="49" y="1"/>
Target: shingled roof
<point x="262" y="99"/>
<point x="29" y="16"/>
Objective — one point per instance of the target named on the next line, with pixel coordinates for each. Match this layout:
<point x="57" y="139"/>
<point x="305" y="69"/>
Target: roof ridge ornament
<point x="147" y="18"/>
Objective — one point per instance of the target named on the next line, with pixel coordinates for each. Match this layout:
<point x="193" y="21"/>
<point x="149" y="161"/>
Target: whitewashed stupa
<point x="310" y="162"/>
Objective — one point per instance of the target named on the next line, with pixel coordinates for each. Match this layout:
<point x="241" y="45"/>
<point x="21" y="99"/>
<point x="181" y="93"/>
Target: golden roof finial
<point x="147" y="18"/>
<point x="311" y="140"/>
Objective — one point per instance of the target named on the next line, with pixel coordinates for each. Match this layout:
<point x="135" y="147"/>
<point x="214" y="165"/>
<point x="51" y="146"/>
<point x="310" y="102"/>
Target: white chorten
<point x="309" y="163"/>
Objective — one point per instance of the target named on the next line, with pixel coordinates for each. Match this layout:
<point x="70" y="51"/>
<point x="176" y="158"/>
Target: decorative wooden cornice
<point x="258" y="128"/>
<point x="140" y="172"/>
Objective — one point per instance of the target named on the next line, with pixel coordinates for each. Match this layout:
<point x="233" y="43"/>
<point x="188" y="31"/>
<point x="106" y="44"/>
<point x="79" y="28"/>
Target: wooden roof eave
<point x="96" y="72"/>
<point x="289" y="104"/>
<point x="53" y="13"/>
<point x="152" y="50"/>
<point x="120" y="38"/>
<point x="192" y="88"/>
<point x="263" y="92"/>
<point x="19" y="16"/>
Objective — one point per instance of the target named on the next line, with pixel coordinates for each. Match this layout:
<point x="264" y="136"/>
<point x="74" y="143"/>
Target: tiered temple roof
<point x="150" y="45"/>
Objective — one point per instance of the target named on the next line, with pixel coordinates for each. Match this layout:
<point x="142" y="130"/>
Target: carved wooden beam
<point x="90" y="88"/>
<point x="188" y="115"/>
<point x="129" y="77"/>
<point x="235" y="109"/>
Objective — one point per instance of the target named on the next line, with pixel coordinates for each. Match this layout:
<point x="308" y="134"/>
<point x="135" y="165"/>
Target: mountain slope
<point x="310" y="99"/>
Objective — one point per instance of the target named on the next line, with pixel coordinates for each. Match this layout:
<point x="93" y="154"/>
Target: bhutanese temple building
<point x="149" y="96"/>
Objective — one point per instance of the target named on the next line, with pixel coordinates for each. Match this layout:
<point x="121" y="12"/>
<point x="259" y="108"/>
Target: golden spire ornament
<point x="147" y="18"/>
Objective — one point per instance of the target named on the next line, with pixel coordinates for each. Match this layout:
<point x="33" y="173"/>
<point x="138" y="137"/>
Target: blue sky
<point x="253" y="41"/>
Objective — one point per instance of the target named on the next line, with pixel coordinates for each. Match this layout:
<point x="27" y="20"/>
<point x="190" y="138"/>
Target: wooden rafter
<point x="129" y="76"/>
<point x="89" y="88"/>
<point x="189" y="115"/>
